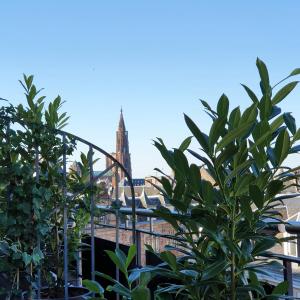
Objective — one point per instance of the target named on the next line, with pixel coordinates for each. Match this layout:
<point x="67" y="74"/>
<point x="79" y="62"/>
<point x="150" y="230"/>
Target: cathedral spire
<point x="122" y="147"/>
<point x="121" y="122"/>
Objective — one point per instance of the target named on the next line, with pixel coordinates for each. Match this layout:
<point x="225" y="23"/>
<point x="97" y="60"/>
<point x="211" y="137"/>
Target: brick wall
<point x="125" y="236"/>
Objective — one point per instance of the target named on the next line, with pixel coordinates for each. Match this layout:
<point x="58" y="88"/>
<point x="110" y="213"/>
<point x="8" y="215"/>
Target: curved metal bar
<point x="92" y="206"/>
<point x="37" y="179"/>
<point x="120" y="166"/>
<point x="66" y="261"/>
<point x="65" y="134"/>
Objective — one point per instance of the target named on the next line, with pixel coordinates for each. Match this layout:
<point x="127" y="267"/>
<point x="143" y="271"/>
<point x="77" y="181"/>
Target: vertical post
<point x="92" y="207"/>
<point x="9" y="193"/>
<point x="150" y="224"/>
<point x="37" y="179"/>
<point x="288" y="276"/>
<point x="151" y="230"/>
<point x="117" y="222"/>
<point x="79" y="266"/>
<point x="298" y="244"/>
<point x="139" y="248"/>
<point x="133" y="221"/>
<point x="66" y="263"/>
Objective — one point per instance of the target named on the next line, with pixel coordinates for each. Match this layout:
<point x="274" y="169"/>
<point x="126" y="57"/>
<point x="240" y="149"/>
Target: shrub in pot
<point x="31" y="193"/>
<point x="222" y="223"/>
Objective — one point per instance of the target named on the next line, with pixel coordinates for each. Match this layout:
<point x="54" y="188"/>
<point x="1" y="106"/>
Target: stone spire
<point x="122" y="147"/>
<point x="121" y="122"/>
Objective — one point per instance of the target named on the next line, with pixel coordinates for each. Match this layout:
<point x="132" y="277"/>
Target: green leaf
<point x="274" y="187"/>
<point x="170" y="259"/>
<point x="116" y="261"/>
<point x="295" y="72"/>
<point x="282" y="288"/>
<point x="226" y="155"/>
<point x="251" y="94"/>
<point x="265" y="107"/>
<point x="165" y="153"/>
<point x="242" y="184"/>
<point x="290" y="122"/>
<point x="93" y="286"/>
<point x="141" y="292"/>
<point x="257" y="196"/>
<point x="4" y="248"/>
<point x="223" y="106"/>
<point x="235" y="117"/>
<point x="282" y="146"/>
<point x="166" y="215"/>
<point x="246" y="208"/>
<point x="216" y="131"/>
<point x="264" y="76"/>
<point x="276" y="123"/>
<point x="37" y="256"/>
<point x="26" y="258"/>
<point x="200" y="136"/>
<point x="214" y="269"/>
<point x="240" y="168"/>
<point x="283" y="92"/>
<point x="195" y="178"/>
<point x="107" y="277"/>
<point x="296" y="137"/>
<point x="145" y="278"/>
<point x="119" y="289"/>
<point x="235" y="133"/>
<point x="131" y="255"/>
<point x="181" y="163"/>
<point x="262" y="245"/>
<point x="249" y="114"/>
<point x="185" y="144"/>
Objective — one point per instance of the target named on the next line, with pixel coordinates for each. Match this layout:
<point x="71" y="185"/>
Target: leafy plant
<point x="222" y="223"/>
<point x="95" y="288"/>
<point x="32" y="197"/>
<point x="131" y="291"/>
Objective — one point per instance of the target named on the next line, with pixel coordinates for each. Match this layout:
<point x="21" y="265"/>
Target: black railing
<point x="93" y="149"/>
<point x="292" y="228"/>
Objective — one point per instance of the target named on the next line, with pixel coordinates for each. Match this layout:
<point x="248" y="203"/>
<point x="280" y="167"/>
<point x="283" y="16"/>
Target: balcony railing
<point x="95" y="152"/>
<point x="288" y="273"/>
<point x="136" y="233"/>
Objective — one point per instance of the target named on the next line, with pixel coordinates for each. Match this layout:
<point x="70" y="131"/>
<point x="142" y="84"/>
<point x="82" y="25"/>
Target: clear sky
<point x="153" y="58"/>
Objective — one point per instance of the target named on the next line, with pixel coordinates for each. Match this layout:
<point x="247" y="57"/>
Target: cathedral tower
<point x="122" y="147"/>
<point x="122" y="151"/>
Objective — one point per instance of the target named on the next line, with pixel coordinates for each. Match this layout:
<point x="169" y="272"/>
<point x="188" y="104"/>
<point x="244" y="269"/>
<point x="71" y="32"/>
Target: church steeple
<point x="122" y="147"/>
<point x="121" y="122"/>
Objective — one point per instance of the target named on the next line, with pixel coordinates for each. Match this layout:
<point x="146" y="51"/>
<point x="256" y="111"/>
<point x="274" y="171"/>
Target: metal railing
<point x="92" y="150"/>
<point x="292" y="228"/>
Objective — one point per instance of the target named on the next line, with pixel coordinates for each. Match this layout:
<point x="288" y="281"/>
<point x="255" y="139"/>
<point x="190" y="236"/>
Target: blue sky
<point x="154" y="58"/>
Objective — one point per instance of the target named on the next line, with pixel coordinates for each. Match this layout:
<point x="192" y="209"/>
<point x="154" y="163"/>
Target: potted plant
<point x="32" y="200"/>
<point x="221" y="223"/>
<point x="129" y="291"/>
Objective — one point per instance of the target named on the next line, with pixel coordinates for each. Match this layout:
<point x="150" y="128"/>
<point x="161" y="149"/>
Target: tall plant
<point x="222" y="223"/>
<point x="32" y="196"/>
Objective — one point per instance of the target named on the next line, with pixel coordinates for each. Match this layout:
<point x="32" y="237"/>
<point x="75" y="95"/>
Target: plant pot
<point x="75" y="293"/>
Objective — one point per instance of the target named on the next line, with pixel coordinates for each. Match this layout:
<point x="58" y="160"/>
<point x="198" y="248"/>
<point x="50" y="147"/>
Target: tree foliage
<point x="222" y="223"/>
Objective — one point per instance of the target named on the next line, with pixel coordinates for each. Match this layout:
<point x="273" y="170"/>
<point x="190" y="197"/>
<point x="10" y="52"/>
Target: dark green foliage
<point x="130" y="291"/>
<point x="221" y="224"/>
<point x="31" y="192"/>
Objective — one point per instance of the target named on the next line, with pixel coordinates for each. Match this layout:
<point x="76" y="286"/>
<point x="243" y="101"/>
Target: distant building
<point x="135" y="182"/>
<point x="122" y="153"/>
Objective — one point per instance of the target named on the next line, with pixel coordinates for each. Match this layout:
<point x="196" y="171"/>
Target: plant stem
<point x="18" y="279"/>
<point x="233" y="278"/>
